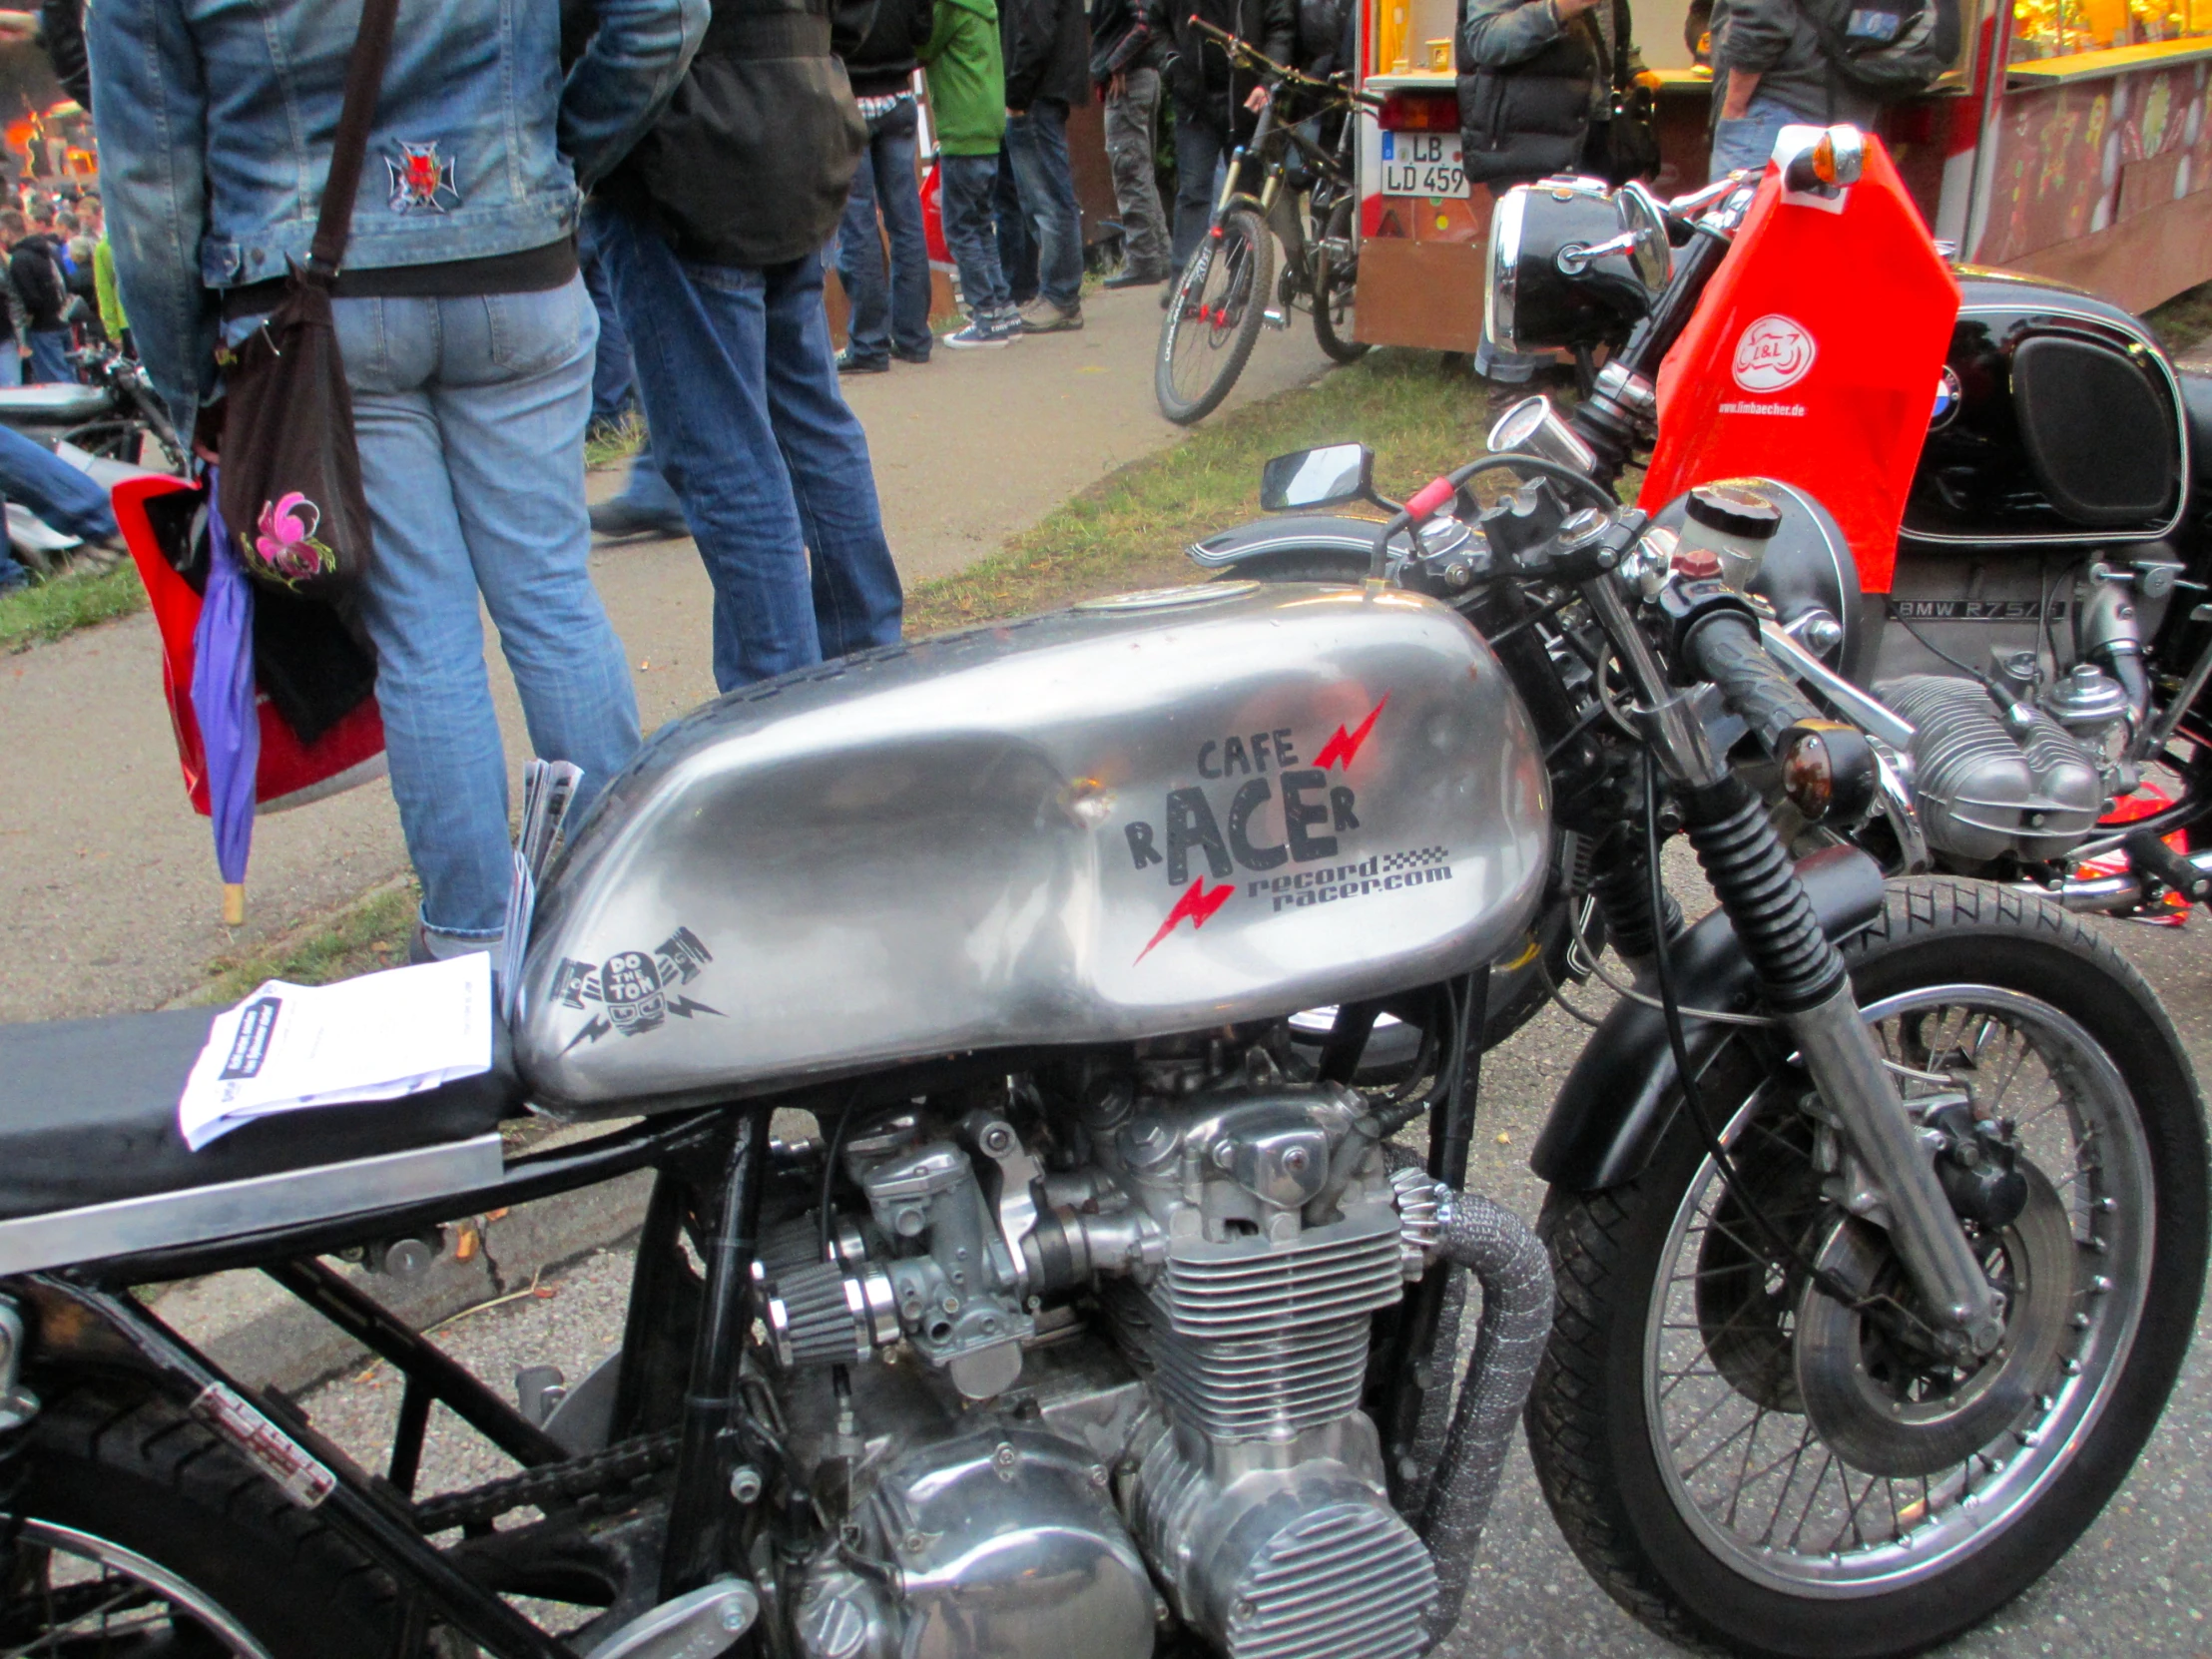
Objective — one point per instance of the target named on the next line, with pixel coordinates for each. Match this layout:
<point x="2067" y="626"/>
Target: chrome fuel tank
<point x="1144" y="815"/>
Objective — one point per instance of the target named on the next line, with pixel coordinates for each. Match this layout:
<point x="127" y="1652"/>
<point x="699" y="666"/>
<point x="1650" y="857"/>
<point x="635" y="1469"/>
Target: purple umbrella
<point x="222" y="702"/>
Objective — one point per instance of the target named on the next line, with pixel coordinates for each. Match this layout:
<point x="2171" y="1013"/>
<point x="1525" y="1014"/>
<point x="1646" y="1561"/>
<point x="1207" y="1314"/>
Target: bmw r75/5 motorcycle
<point x="1095" y="1314"/>
<point x="2026" y="634"/>
<point x="2032" y="640"/>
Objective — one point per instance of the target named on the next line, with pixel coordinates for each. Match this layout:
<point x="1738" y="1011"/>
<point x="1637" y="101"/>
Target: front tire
<point x="1667" y="1424"/>
<point x="1214" y="317"/>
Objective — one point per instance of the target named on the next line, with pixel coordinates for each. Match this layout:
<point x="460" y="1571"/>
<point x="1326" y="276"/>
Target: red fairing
<point x="1815" y="357"/>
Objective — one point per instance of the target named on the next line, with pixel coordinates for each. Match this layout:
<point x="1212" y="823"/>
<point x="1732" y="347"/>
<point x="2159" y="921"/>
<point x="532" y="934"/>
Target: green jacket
<point x="967" y="77"/>
<point x="111" y="302"/>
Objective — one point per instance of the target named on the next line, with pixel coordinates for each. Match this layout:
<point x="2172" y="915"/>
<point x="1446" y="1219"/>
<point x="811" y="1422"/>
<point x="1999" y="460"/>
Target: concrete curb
<point x="262" y="1335"/>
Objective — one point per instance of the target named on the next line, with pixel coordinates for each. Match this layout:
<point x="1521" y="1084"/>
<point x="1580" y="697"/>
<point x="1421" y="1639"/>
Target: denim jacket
<point x="216" y="119"/>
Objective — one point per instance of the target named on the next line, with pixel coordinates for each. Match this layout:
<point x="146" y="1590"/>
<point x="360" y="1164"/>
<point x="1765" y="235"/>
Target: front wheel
<point x="1741" y="1459"/>
<point x="1214" y="318"/>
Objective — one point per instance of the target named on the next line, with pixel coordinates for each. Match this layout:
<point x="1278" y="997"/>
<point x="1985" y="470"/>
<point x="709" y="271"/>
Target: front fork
<point x="1803" y="976"/>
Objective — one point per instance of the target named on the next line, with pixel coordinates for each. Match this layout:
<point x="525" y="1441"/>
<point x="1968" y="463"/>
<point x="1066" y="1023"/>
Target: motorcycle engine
<point x="2023" y="767"/>
<point x="1111" y="1342"/>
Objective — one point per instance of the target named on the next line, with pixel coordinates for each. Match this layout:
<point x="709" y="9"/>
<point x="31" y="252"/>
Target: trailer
<point x="2072" y="140"/>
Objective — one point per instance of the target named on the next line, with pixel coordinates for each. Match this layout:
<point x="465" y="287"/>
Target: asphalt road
<point x="2139" y="1582"/>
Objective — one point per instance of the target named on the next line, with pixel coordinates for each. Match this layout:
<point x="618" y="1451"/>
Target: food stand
<point x="2071" y="140"/>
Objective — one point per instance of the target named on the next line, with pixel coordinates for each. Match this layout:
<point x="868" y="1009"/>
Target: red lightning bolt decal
<point x="1344" y="748"/>
<point x="1196" y="903"/>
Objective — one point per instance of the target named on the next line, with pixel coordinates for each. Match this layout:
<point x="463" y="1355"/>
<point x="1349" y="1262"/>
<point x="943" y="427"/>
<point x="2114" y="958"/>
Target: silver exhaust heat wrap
<point x="1510" y="1265"/>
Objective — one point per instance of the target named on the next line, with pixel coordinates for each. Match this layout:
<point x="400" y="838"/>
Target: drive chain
<point x="579" y="1484"/>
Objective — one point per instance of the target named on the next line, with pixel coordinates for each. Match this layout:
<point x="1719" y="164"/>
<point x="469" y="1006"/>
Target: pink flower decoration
<point x="286" y="543"/>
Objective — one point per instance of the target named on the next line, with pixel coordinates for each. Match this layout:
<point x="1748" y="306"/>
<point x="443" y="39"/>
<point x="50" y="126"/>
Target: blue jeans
<point x="741" y="390"/>
<point x="894" y="312"/>
<point x="1749" y="140"/>
<point x="1037" y="143"/>
<point x="33" y="476"/>
<point x="470" y="414"/>
<point x="645" y="489"/>
<point x="1199" y="152"/>
<point x="612" y="380"/>
<point x="11" y="365"/>
<point x="48" y="363"/>
<point x="966" y="183"/>
<point x="1017" y="245"/>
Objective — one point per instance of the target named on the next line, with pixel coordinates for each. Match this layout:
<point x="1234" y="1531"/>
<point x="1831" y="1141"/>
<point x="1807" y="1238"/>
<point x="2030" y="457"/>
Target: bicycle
<point x="1224" y="293"/>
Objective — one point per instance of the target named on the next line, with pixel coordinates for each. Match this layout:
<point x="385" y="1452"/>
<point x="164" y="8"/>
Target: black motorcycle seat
<point x="52" y="406"/>
<point x="87" y="1115"/>
<point x="2196" y="402"/>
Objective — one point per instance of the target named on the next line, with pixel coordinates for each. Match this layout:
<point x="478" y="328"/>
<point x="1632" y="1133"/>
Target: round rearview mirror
<point x="1325" y="477"/>
<point x="1643" y="218"/>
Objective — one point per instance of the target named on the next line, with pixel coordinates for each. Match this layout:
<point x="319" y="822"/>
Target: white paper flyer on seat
<point x="382" y="1036"/>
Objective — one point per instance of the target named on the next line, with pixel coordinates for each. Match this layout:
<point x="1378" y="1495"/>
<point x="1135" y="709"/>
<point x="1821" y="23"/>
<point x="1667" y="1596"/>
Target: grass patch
<point x="47" y="611"/>
<point x="367" y="934"/>
<point x="617" y="442"/>
<point x="2183" y="321"/>
<point x="1129" y="530"/>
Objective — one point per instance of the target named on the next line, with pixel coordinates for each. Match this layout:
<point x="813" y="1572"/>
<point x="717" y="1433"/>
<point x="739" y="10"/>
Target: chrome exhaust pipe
<point x="2101" y="894"/>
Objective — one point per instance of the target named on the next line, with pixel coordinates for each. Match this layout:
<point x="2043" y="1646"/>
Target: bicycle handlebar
<point x="1253" y="58"/>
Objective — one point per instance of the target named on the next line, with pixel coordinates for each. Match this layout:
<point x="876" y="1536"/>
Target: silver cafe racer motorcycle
<point x="1106" y="1302"/>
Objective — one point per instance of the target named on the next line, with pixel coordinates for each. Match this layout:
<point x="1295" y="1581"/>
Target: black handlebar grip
<point x="1828" y="769"/>
<point x="1727" y="649"/>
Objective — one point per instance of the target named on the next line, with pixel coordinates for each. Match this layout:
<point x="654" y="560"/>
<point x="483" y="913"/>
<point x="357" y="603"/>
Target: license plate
<point x="1423" y="164"/>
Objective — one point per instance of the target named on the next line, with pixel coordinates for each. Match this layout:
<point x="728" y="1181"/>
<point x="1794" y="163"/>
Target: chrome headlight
<point x="1506" y="239"/>
<point x="1573" y="263"/>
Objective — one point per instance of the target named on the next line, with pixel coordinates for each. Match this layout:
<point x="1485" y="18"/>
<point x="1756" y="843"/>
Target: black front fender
<point x="1620" y="1096"/>
<point x="1296" y="540"/>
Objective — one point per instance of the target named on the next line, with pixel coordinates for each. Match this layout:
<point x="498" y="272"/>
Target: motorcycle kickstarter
<point x="1106" y="1301"/>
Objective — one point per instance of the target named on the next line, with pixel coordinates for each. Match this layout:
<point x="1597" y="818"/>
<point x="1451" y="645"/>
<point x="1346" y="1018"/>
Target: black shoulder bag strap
<point x="291" y="490"/>
<point x="365" y="79"/>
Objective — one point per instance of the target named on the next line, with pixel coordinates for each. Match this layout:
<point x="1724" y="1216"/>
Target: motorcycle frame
<point x="85" y="1317"/>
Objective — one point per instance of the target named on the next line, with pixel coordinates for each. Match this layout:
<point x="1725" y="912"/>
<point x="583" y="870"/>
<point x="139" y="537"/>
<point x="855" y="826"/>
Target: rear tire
<point x="1214" y="317"/>
<point x="1335" y="286"/>
<point x="1698" y="1558"/>
<point x="254" y="1575"/>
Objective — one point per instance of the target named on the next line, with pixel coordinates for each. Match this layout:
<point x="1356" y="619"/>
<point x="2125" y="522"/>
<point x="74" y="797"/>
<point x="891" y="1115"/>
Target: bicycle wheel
<point x="1213" y="318"/>
<point x="1336" y="272"/>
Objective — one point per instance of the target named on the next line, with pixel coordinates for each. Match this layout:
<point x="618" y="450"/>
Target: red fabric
<point x="1741" y="393"/>
<point x="288" y="767"/>
<point x="933" y="215"/>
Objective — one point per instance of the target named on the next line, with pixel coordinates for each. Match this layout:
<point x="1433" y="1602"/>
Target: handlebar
<point x="1728" y="651"/>
<point x="1253" y="58"/>
<point x="1829" y="770"/>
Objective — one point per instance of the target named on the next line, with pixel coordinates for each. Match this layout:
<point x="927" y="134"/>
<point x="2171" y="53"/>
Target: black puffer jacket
<point x="1048" y="44"/>
<point x="751" y="163"/>
<point x="1205" y="89"/>
<point x="1528" y="86"/>
<point x="886" y="61"/>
